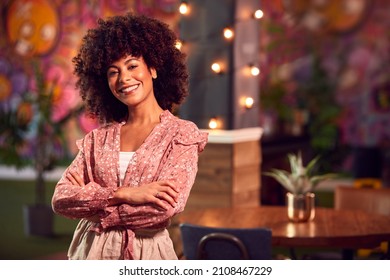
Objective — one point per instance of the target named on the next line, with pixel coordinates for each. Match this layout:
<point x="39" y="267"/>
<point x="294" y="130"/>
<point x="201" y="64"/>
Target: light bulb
<point x="213" y="123"/>
<point x="228" y="33"/>
<point x="178" y="44"/>
<point x="255" y="71"/>
<point x="249" y="102"/>
<point x="246" y="102"/>
<point x="216" y="67"/>
<point x="258" y="14"/>
<point x="183" y="8"/>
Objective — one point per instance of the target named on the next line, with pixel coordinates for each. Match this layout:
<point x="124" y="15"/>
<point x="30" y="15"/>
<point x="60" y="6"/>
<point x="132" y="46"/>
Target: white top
<point x="124" y="159"/>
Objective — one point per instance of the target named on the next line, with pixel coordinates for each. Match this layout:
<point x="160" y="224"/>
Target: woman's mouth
<point x="127" y="90"/>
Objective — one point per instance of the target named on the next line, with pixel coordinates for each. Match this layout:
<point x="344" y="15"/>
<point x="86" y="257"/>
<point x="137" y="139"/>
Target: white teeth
<point x="128" y="89"/>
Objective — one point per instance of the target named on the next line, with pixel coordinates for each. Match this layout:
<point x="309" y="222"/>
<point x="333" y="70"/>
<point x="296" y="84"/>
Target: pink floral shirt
<point x="170" y="152"/>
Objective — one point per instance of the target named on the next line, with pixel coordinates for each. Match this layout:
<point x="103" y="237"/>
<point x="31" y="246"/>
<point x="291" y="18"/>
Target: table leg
<point x="293" y="254"/>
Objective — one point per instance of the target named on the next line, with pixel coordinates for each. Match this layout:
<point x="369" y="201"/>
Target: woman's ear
<point x="154" y="73"/>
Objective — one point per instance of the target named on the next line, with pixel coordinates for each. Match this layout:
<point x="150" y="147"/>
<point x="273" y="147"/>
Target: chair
<point x="371" y="200"/>
<point x="368" y="199"/>
<point x="367" y="183"/>
<point x="200" y="242"/>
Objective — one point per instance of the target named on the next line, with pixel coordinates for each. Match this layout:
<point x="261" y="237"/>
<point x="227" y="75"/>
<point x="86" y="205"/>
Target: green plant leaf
<point x="283" y="178"/>
<point x="299" y="180"/>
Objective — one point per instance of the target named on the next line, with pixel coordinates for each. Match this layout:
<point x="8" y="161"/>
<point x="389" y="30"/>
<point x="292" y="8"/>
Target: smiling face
<point x="131" y="81"/>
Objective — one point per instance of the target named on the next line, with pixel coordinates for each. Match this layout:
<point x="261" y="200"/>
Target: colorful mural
<point x="350" y="43"/>
<point x="32" y="27"/>
<point x="49" y="31"/>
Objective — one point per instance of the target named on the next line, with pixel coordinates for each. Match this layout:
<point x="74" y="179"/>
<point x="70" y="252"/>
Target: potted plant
<point x="300" y="183"/>
<point x="30" y="137"/>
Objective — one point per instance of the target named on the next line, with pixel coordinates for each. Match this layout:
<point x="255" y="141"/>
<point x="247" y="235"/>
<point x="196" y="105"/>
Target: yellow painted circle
<point x="33" y="26"/>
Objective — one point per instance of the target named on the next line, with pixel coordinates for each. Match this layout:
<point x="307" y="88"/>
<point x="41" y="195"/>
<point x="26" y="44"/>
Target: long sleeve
<point x="75" y="201"/>
<point x="81" y="202"/>
<point x="180" y="167"/>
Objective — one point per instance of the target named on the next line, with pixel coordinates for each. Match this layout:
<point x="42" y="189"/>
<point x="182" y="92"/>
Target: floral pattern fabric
<point x="170" y="152"/>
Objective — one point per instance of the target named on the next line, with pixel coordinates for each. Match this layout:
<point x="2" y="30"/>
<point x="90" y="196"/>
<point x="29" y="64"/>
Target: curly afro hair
<point x="135" y="35"/>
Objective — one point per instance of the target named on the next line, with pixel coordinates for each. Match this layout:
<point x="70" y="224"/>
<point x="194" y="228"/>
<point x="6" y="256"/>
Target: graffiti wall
<point x="336" y="47"/>
<point x="49" y="31"/>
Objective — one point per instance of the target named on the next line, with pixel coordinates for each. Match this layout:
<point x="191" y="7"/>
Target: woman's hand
<point x="75" y="178"/>
<point x="161" y="193"/>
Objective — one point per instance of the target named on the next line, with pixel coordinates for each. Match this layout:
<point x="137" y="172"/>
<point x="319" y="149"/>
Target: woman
<point x="134" y="172"/>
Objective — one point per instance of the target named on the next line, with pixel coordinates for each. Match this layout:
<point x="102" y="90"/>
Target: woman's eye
<point x="112" y="73"/>
<point x="132" y="67"/>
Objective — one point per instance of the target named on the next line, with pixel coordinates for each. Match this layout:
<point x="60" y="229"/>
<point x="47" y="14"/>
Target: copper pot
<point x="300" y="207"/>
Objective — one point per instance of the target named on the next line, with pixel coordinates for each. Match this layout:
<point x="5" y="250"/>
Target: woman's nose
<point x="123" y="77"/>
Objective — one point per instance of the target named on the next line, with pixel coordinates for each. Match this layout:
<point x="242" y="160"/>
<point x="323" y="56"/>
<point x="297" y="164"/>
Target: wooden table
<point x="344" y="229"/>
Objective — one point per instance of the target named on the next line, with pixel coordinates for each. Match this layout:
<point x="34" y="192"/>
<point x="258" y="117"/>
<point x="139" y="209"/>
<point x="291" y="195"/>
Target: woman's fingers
<point x="166" y="192"/>
<point x="75" y="179"/>
<point x="160" y="203"/>
<point x="70" y="177"/>
<point x="167" y="197"/>
<point x="169" y="184"/>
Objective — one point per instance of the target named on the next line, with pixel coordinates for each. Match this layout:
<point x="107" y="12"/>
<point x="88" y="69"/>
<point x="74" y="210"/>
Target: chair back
<point x="367" y="199"/>
<point x="371" y="200"/>
<point x="200" y="242"/>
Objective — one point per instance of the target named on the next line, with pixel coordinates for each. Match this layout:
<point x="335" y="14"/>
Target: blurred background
<point x="301" y="75"/>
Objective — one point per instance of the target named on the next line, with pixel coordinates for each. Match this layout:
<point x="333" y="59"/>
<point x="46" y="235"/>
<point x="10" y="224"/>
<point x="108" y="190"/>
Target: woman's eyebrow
<point x="130" y="59"/>
<point x="127" y="61"/>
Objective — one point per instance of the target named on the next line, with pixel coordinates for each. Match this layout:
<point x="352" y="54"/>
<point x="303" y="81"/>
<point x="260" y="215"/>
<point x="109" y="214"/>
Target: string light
<point x="216" y="67"/>
<point x="228" y="33"/>
<point x="178" y="44"/>
<point x="255" y="71"/>
<point x="249" y="102"/>
<point x="258" y="14"/>
<point x="184" y="8"/>
<point x="219" y="67"/>
<point x="215" y="123"/>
